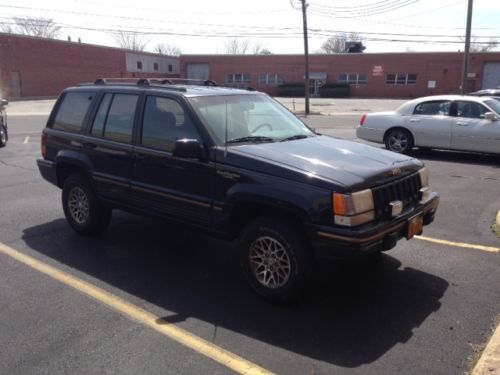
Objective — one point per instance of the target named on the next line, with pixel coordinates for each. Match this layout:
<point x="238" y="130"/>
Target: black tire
<point x="3" y="136"/>
<point x="275" y="259"/>
<point x="83" y="210"/>
<point x="399" y="140"/>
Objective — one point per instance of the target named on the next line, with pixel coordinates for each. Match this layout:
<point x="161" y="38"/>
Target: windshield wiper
<point x="291" y="138"/>
<point x="251" y="138"/>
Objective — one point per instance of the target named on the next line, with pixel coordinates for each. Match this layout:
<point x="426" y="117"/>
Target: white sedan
<point x="452" y="122"/>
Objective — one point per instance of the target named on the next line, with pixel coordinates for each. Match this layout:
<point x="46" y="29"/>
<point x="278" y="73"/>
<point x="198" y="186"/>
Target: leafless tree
<point x="237" y="46"/>
<point x="167" y="49"/>
<point x="36" y="26"/>
<point x="337" y="43"/>
<point x="477" y="46"/>
<point x="130" y="40"/>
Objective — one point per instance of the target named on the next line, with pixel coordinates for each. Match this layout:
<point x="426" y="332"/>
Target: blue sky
<point x="205" y="26"/>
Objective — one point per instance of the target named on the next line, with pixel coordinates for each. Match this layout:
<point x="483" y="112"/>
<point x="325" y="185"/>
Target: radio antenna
<point x="225" y="131"/>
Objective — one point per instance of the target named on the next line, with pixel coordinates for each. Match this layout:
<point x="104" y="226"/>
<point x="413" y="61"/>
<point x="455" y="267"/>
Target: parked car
<point x="466" y="123"/>
<point x="233" y="163"/>
<point x="4" y="133"/>
<point x="486" y="92"/>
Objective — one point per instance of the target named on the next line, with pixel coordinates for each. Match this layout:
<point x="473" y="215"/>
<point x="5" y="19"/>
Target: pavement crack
<point x="17" y="166"/>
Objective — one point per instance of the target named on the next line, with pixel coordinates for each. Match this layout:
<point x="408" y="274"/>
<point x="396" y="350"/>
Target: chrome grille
<point x="406" y="189"/>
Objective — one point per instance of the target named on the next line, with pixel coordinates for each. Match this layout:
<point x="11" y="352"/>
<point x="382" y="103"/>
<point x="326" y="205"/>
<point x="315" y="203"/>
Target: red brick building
<point x="369" y="74"/>
<point x="37" y="67"/>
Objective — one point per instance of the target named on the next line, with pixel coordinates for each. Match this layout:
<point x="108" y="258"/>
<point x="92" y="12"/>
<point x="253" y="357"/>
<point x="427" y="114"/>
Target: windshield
<point x="248" y="118"/>
<point x="494" y="105"/>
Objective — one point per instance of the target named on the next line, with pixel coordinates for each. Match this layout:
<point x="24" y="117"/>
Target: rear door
<point x="176" y="187"/>
<point x="430" y="123"/>
<point x="471" y="131"/>
<point x="109" y="144"/>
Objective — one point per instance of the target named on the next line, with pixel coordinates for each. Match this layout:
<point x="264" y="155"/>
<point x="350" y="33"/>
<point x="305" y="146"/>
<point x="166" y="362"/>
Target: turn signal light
<point x="362" y="120"/>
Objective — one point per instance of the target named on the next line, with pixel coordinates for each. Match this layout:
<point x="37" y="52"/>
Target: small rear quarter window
<point x="72" y="111"/>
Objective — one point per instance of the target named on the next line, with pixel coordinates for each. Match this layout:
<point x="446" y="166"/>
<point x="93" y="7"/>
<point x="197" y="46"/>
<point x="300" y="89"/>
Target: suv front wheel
<point x="83" y="210"/>
<point x="274" y="259"/>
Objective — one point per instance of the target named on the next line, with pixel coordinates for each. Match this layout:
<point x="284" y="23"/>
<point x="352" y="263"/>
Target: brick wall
<point x="47" y="66"/>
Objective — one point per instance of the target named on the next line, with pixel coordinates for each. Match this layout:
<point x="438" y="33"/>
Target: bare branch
<point x="337" y="43"/>
<point x="36" y="26"/>
<point x="130" y="40"/>
<point x="167" y="49"/>
<point x="237" y="46"/>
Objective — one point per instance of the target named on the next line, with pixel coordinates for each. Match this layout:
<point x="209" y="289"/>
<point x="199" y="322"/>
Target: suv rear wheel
<point x="274" y="259"/>
<point x="83" y="210"/>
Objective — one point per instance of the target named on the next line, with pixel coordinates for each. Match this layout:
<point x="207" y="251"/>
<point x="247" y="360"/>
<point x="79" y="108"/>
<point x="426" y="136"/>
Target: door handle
<point x="414" y="120"/>
<point x="461" y="123"/>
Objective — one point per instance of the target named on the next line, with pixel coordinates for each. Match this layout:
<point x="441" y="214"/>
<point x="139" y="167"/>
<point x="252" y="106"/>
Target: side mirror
<point x="4" y="102"/>
<point x="490" y="116"/>
<point x="187" y="148"/>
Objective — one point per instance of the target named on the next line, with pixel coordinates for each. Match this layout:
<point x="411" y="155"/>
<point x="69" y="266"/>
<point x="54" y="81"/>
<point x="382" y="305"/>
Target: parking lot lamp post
<point x="465" y="68"/>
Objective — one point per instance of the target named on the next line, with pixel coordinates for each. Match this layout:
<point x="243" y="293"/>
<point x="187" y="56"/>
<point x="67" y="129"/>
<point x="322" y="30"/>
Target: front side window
<point x="115" y="118"/>
<point x="72" y="111"/>
<point x="470" y="109"/>
<point x="165" y="122"/>
<point x="441" y="107"/>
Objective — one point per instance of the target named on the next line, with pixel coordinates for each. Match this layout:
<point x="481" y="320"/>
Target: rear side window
<point x="432" y="108"/>
<point x="72" y="111"/>
<point x="115" y="118"/>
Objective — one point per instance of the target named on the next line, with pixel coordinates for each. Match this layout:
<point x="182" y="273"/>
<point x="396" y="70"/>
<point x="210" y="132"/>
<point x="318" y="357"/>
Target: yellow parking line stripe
<point x="490" y="249"/>
<point x="206" y="348"/>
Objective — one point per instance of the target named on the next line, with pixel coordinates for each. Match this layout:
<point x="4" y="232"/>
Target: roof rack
<point x="155" y="81"/>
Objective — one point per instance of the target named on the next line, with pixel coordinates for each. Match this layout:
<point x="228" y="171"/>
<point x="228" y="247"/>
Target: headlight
<point x="353" y="209"/>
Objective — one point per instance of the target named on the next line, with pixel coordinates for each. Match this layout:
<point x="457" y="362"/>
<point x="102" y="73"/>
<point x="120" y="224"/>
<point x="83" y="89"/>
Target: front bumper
<point x="334" y="242"/>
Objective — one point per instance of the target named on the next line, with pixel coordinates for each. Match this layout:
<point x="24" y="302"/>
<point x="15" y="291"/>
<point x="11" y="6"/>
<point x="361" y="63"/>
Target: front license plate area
<point x="415" y="226"/>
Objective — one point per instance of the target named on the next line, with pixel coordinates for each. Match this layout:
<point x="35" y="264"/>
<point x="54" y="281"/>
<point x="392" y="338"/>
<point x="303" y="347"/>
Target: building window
<point x="401" y="79"/>
<point x="139" y="65"/>
<point x="238" y="78"/>
<point x="270" y="79"/>
<point x="353" y="78"/>
<point x="170" y="68"/>
<point x="155" y="66"/>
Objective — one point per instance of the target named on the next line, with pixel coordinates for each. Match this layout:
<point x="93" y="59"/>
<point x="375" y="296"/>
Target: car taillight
<point x="44" y="145"/>
<point x="362" y="120"/>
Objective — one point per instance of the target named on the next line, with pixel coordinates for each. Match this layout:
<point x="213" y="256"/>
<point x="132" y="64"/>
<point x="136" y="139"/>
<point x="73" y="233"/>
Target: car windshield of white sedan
<point x="248" y="118"/>
<point x="494" y="105"/>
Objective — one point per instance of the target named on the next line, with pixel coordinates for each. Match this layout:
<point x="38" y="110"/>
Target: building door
<point x="491" y="75"/>
<point x="15" y="79"/>
<point x="198" y="71"/>
<point x="314" y="85"/>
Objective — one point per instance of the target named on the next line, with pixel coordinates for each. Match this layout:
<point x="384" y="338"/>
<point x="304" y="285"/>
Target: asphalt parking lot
<point x="149" y="297"/>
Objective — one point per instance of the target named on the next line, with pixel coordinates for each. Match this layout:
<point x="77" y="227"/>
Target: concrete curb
<point x="489" y="363"/>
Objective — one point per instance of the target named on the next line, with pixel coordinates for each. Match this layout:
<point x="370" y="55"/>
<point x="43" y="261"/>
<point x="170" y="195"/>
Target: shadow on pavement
<point x="353" y="315"/>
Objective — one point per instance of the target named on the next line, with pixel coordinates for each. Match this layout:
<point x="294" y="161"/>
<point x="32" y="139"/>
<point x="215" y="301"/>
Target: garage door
<point x="491" y="75"/>
<point x="198" y="71"/>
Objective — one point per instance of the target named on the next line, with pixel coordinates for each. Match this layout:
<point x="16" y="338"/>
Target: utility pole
<point x="306" y="55"/>
<point x="465" y="68"/>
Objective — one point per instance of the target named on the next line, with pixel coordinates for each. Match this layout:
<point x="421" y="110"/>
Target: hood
<point x="346" y="163"/>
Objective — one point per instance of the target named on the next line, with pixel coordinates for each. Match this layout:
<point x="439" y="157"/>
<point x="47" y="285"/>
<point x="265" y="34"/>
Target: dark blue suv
<point x="233" y="163"/>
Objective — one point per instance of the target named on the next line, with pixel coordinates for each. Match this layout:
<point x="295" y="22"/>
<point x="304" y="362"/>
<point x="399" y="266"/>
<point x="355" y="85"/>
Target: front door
<point x="176" y="187"/>
<point x="314" y="85"/>
<point x="471" y="131"/>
